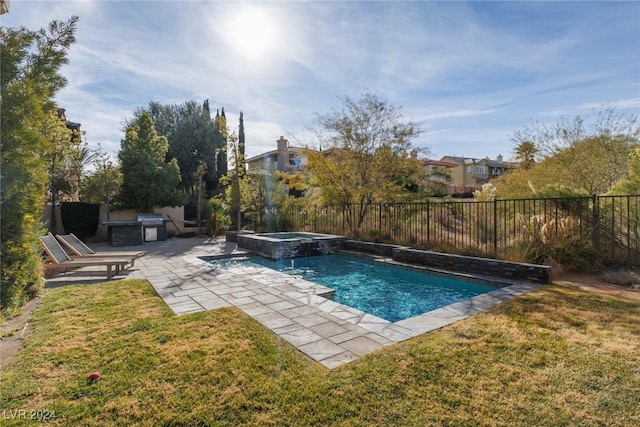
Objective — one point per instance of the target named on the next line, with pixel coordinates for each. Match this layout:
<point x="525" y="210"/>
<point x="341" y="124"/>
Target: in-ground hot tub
<point x="290" y="245"/>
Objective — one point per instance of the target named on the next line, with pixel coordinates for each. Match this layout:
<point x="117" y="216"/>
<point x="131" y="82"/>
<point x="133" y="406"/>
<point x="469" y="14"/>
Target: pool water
<point x="385" y="291"/>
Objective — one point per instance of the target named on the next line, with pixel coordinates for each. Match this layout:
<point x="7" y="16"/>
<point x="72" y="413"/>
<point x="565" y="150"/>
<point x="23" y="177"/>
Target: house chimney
<point x="282" y="143"/>
<point x="283" y="154"/>
<point x="499" y="158"/>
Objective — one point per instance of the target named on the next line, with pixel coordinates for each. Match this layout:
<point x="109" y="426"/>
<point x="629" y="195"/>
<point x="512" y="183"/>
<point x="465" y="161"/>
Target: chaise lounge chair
<point x="80" y="249"/>
<point x="57" y="257"/>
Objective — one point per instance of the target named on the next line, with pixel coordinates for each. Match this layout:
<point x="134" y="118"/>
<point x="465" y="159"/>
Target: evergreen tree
<point x="30" y="63"/>
<point x="526" y="152"/>
<point x="221" y="143"/>
<point x="193" y="141"/>
<point x="197" y="141"/>
<point x="241" y="139"/>
<point x="147" y="180"/>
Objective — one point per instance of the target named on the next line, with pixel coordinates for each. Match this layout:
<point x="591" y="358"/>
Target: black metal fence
<point x="583" y="230"/>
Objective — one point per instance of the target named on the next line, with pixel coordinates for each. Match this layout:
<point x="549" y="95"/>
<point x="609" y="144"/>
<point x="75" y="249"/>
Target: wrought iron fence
<point x="589" y="229"/>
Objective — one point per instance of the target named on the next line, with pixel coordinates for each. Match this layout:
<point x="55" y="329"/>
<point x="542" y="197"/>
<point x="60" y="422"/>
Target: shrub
<point x="217" y="221"/>
<point x="31" y="131"/>
<point x="540" y="238"/>
<point x="21" y="266"/>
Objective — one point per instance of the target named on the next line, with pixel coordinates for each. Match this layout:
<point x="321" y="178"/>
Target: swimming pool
<point x="389" y="292"/>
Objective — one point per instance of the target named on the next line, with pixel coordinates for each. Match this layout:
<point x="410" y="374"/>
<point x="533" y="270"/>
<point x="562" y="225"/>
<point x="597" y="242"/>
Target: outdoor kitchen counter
<point x="124" y="232"/>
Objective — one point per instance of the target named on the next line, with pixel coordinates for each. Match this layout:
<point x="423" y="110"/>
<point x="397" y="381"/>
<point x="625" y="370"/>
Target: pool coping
<point x="329" y="332"/>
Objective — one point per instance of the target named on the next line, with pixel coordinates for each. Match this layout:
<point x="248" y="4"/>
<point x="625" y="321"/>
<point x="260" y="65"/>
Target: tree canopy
<point x="362" y="155"/>
<point x="583" y="155"/>
<point x="147" y="180"/>
<point x="526" y="153"/>
<point x="630" y="184"/>
<point x="103" y="183"/>
<point x="194" y="139"/>
<point x="30" y="63"/>
<point x="198" y="142"/>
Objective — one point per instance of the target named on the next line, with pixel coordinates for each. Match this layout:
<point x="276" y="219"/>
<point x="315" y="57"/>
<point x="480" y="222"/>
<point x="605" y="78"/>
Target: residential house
<point x="469" y="174"/>
<point x="498" y="167"/>
<point x="439" y="176"/>
<point x="285" y="158"/>
<point x="72" y="126"/>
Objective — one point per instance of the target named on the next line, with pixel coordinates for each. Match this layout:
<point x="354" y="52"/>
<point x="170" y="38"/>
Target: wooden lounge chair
<point x="58" y="258"/>
<point x="80" y="249"/>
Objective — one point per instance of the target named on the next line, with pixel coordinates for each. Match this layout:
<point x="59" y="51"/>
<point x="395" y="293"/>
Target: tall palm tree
<point x="526" y="153"/>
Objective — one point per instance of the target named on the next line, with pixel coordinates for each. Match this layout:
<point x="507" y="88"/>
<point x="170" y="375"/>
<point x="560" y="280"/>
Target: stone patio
<point x="330" y="333"/>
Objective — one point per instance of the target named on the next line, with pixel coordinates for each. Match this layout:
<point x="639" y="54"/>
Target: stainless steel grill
<point x="150" y="220"/>
<point x="153" y="227"/>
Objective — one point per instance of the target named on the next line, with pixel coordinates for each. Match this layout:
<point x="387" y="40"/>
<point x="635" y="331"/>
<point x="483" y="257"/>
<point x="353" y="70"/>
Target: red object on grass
<point x="94" y="376"/>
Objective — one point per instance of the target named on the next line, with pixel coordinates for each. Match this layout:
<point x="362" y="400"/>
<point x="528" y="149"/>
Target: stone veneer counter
<point x="124" y="232"/>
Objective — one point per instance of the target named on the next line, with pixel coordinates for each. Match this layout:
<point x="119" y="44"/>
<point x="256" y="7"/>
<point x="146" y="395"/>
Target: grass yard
<point x="554" y="357"/>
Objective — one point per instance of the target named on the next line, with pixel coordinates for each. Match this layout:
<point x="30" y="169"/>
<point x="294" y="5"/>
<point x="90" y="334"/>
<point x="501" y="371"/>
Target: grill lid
<point x="150" y="219"/>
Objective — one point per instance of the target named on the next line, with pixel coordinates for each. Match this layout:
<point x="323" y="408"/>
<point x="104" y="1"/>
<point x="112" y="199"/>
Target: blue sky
<point x="472" y="73"/>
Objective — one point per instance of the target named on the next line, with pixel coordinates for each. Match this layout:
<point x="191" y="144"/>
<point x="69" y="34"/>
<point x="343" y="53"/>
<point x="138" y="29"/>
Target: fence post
<point x="495" y="228"/>
<point x="595" y="201"/>
<point x="428" y="240"/>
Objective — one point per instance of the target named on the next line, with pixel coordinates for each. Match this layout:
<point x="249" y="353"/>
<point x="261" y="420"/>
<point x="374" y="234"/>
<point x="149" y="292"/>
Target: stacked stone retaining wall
<point x="483" y="266"/>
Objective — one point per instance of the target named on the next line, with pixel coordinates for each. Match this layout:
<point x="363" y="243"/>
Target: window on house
<point x="469" y="169"/>
<point x="481" y="170"/>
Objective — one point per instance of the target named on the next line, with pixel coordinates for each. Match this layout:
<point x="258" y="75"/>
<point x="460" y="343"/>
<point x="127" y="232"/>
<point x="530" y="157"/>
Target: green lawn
<point x="553" y="357"/>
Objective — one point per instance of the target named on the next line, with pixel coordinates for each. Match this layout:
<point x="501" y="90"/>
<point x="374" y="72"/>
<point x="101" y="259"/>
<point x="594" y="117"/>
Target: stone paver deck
<point x="328" y="332"/>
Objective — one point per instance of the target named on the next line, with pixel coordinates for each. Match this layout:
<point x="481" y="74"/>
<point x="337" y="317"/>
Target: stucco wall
<point x="176" y="213"/>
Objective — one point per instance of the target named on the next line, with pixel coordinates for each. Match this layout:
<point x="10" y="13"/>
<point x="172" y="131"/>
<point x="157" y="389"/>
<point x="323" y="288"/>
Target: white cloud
<point x="472" y="72"/>
<point x="621" y="104"/>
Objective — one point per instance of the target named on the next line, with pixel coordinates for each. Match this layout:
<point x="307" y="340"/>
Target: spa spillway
<point x="290" y="245"/>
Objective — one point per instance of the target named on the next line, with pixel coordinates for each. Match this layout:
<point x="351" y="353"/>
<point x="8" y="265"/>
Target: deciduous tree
<point x="584" y="155"/>
<point x="102" y="185"/>
<point x="630" y="184"/>
<point x="362" y="155"/>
